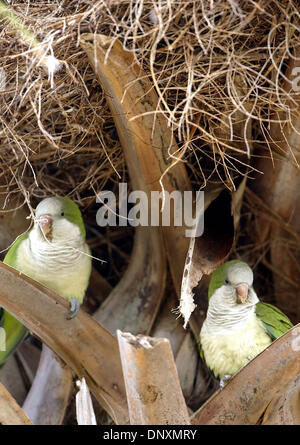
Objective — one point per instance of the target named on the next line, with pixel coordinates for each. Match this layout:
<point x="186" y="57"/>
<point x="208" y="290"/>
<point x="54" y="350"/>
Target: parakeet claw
<point x="224" y="380"/>
<point x="74" y="308"/>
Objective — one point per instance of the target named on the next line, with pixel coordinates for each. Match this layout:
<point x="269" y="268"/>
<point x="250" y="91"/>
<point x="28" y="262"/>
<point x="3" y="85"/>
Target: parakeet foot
<point x="74" y="308"/>
<point x="224" y="380"/>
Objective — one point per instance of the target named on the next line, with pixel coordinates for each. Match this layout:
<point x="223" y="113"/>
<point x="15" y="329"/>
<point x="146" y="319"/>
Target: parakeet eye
<point x="226" y="281"/>
<point x="62" y="214"/>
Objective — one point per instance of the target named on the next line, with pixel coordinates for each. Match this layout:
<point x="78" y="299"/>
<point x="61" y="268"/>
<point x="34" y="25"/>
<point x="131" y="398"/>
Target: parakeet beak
<point x="242" y="292"/>
<point x="45" y="223"/>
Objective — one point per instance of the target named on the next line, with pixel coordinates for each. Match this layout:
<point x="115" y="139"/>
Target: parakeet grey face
<point x="232" y="284"/>
<point x="238" y="284"/>
<point x="58" y="219"/>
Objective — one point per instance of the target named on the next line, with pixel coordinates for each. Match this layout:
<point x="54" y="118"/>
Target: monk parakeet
<point x="237" y="325"/>
<point x="53" y="252"/>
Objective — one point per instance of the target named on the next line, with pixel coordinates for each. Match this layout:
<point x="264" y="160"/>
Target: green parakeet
<point x="237" y="325"/>
<point x="53" y="252"/>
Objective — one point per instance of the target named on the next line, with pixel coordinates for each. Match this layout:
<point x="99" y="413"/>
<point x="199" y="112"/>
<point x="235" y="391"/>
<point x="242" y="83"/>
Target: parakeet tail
<point x="12" y="333"/>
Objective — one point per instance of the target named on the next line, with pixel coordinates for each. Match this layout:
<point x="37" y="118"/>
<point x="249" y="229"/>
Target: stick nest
<point x="217" y="68"/>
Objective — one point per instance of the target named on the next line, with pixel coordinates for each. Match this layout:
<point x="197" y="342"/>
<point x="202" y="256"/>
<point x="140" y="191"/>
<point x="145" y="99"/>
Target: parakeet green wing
<point x="201" y="353"/>
<point x="275" y="322"/>
<point x="15" y="332"/>
<point x="11" y="256"/>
